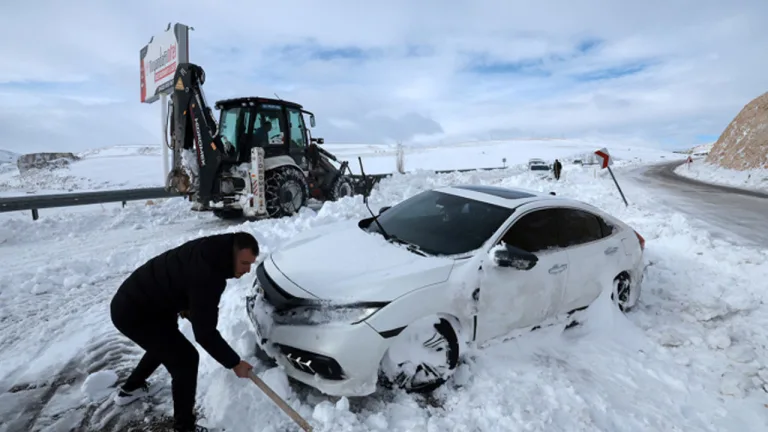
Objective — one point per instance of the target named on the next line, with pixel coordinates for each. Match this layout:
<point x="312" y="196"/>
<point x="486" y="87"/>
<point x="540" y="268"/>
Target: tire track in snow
<point x="70" y="312"/>
<point x="59" y="400"/>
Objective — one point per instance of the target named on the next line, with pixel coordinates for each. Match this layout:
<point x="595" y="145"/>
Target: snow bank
<point x="756" y="179"/>
<point x="691" y="356"/>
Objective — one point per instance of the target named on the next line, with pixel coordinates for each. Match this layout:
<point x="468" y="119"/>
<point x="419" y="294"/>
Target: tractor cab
<point x="275" y="125"/>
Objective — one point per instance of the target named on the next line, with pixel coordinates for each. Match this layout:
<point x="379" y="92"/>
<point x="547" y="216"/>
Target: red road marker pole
<point x="603" y="154"/>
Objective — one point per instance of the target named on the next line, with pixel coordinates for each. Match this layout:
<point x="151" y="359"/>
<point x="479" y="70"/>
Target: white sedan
<point x="394" y="300"/>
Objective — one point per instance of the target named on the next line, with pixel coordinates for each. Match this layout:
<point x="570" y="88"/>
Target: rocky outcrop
<point x="744" y="143"/>
<point x="44" y="160"/>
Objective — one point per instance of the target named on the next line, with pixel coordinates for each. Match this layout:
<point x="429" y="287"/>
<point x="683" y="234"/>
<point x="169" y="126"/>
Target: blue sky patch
<point x="611" y="72"/>
<point x="705" y="138"/>
<point x="588" y="46"/>
<point x="314" y="51"/>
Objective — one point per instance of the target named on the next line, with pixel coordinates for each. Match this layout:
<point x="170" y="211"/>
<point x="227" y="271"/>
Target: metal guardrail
<point x="37" y="202"/>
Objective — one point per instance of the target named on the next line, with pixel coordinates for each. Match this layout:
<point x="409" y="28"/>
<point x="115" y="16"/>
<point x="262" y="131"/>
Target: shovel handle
<point x="295" y="416"/>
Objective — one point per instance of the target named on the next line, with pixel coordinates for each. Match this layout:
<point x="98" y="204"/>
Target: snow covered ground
<point x="139" y="166"/>
<point x="700" y="170"/>
<point x="690" y="357"/>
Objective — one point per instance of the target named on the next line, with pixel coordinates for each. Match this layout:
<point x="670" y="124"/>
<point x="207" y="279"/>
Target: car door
<point x="594" y="252"/>
<point x="512" y="299"/>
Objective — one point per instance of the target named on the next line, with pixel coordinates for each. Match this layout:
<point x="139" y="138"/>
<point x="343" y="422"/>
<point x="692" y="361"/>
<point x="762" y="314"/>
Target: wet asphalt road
<point x="728" y="212"/>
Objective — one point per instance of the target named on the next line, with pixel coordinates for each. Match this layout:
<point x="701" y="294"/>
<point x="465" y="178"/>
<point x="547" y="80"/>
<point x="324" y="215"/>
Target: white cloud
<point x="428" y="70"/>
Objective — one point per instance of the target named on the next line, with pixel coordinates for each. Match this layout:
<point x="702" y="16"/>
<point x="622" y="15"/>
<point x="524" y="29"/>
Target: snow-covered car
<point x="395" y="300"/>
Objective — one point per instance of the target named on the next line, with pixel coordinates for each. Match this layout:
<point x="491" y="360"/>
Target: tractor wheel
<point x="340" y="188"/>
<point x="286" y="191"/>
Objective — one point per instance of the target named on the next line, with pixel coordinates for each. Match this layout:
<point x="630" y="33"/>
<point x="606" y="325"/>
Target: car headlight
<point x="318" y="315"/>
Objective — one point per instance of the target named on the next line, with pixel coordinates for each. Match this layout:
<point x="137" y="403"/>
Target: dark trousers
<point x="159" y="336"/>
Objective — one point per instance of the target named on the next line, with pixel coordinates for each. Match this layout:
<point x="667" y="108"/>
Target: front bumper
<point x="338" y="359"/>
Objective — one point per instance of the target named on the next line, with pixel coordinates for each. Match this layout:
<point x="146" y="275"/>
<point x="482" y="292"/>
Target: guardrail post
<point x="35" y="215"/>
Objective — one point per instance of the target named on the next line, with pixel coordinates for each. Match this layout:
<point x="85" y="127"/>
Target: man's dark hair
<point x="244" y="240"/>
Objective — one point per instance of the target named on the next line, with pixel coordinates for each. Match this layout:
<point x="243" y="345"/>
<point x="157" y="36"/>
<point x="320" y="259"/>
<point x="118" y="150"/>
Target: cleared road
<point x="731" y="211"/>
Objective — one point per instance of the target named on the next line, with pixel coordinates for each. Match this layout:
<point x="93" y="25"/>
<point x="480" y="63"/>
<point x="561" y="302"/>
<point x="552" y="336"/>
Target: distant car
<point x="396" y="302"/>
<point x="536" y="164"/>
<point x="578" y="162"/>
<point x="539" y="167"/>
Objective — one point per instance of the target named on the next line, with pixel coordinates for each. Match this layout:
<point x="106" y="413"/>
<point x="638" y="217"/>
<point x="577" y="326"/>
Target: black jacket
<point x="190" y="277"/>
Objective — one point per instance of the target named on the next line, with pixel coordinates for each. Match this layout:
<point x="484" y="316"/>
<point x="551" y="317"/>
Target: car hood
<point x="346" y="264"/>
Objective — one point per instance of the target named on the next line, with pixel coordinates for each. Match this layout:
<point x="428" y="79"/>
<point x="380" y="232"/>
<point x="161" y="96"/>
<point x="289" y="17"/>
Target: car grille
<point x="313" y="364"/>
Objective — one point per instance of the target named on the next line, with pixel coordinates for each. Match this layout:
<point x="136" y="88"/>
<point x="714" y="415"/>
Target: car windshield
<point x="440" y="224"/>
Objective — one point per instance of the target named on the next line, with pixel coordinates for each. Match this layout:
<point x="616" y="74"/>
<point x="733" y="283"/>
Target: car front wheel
<point x="422" y="358"/>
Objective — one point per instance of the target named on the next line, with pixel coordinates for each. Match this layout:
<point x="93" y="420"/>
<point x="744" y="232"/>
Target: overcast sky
<point x="673" y="72"/>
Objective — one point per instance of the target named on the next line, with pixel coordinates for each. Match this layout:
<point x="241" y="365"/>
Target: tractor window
<point x="228" y="125"/>
<point x="268" y="129"/>
<point x="296" y="123"/>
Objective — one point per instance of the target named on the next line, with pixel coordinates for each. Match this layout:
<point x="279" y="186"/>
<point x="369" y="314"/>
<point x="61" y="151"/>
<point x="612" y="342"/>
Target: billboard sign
<point x="159" y="59"/>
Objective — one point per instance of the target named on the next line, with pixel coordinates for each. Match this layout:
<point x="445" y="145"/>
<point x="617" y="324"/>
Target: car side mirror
<point x="312" y="120"/>
<point x="383" y="209"/>
<point x="513" y="257"/>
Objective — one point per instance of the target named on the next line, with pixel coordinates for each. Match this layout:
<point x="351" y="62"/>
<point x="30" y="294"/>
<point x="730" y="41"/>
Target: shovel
<point x="296" y="417"/>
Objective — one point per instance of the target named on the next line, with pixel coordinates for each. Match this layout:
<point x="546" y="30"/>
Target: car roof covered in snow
<point x="506" y="196"/>
<point x="501" y="196"/>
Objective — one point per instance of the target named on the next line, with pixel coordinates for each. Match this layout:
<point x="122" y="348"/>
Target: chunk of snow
<point x="735" y="384"/>
<point x="719" y="338"/>
<point x="741" y="353"/>
<point x="99" y="384"/>
<point x="276" y="379"/>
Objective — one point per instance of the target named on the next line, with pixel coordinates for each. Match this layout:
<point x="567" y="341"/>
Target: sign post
<point x="158" y="61"/>
<point x="606" y="164"/>
<point x="164" y="124"/>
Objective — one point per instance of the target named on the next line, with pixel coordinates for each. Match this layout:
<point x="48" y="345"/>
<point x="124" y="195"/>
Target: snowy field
<point x="138" y="166"/>
<point x="756" y="179"/>
<point x="690" y="357"/>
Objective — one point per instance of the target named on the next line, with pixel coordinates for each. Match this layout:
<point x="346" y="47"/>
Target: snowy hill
<point x="702" y="150"/>
<point x="116" y="167"/>
<point x="137" y="166"/>
<point x="699" y="150"/>
<point x="7" y="157"/>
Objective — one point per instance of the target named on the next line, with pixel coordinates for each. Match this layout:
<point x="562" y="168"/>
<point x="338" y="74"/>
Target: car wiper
<point x="409" y="246"/>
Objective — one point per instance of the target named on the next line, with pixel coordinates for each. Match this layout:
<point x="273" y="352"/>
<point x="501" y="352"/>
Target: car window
<point x="537" y="231"/>
<point x="579" y="227"/>
<point x="443" y="224"/>
<point x="605" y="228"/>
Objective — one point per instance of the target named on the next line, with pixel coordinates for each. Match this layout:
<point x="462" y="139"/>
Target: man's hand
<point x="242" y="369"/>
